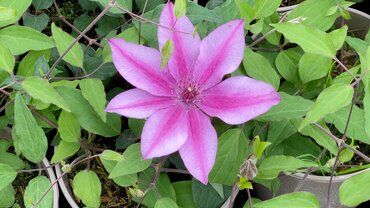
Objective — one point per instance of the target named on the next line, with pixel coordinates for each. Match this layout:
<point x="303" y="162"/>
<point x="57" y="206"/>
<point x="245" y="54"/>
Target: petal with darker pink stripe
<point x="164" y="132"/>
<point x="221" y="52"/>
<point x="199" y="151"/>
<point x="186" y="45"/>
<point x="137" y="103"/>
<point x="140" y="66"/>
<point x="239" y="99"/>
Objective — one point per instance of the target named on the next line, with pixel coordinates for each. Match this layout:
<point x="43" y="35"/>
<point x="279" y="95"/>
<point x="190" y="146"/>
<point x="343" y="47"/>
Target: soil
<point x="21" y="183"/>
<point x="112" y="194"/>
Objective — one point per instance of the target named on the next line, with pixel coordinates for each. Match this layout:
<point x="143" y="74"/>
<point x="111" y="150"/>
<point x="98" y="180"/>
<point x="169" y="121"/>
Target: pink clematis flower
<point x="179" y="99"/>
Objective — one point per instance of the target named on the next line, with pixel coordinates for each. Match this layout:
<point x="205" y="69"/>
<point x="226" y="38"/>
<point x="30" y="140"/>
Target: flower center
<point x="189" y="93"/>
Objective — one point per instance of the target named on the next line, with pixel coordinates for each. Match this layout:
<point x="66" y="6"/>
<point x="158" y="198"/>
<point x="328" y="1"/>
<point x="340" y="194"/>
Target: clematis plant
<point x="180" y="99"/>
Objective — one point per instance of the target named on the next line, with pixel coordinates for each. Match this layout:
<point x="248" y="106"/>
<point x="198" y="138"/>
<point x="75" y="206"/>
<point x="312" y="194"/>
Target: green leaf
<point x="180" y="8"/>
<point x="86" y="115"/>
<point x="7" y="175"/>
<point x="87" y="187"/>
<point x="275" y="37"/>
<point x="65" y="150"/>
<point x="130" y="35"/>
<point x="16" y="141"/>
<point x="354" y="190"/>
<point x="247" y="12"/>
<point x="165" y="203"/>
<point x="35" y="190"/>
<point x="41" y="89"/>
<point x="289" y="108"/>
<point x="67" y="83"/>
<point x="93" y="91"/>
<point x="184" y="196"/>
<point x="272" y="166"/>
<point x="356" y="127"/>
<point x="124" y="181"/>
<point x="88" y="5"/>
<point x="197" y="13"/>
<point x="27" y="66"/>
<point x="346" y="155"/>
<point x="345" y="14"/>
<point x="329" y="101"/>
<point x="259" y="147"/>
<point x="20" y="39"/>
<point x="346" y="77"/>
<point x="31" y="138"/>
<point x="63" y="40"/>
<point x="112" y="155"/>
<point x="48" y="114"/>
<point x="310" y="39"/>
<point x="136" y="125"/>
<point x="258" y="67"/>
<point x="7" y="60"/>
<point x="313" y="66"/>
<point x="287" y="64"/>
<point x="320" y="137"/>
<point x="298" y="146"/>
<point x="7" y="13"/>
<point x="166" y="53"/>
<point x="7" y="198"/>
<point x="359" y="45"/>
<point x="149" y="4"/>
<point x="278" y="131"/>
<point x="38" y="22"/>
<point x="346" y="4"/>
<point x="107" y="25"/>
<point x="132" y="162"/>
<point x="338" y="36"/>
<point x="367" y="106"/>
<point x="219" y="188"/>
<point x="291" y="200"/>
<point x="127" y="4"/>
<point x="20" y="6"/>
<point x="254" y="201"/>
<point x="331" y="11"/>
<point x="363" y="50"/>
<point x="163" y="188"/>
<point x="68" y="127"/>
<point x="231" y="153"/>
<point x="206" y="196"/>
<point x="39" y="105"/>
<point x="243" y="183"/>
<point x="148" y="31"/>
<point x="315" y="13"/>
<point x="42" y="4"/>
<point x="4" y="144"/>
<point x="12" y="160"/>
<point x="265" y="8"/>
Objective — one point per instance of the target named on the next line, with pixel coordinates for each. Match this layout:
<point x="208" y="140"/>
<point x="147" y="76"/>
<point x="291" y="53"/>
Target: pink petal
<point x="140" y="66"/>
<point x="137" y="103"/>
<point x="164" y="132"/>
<point x="239" y="99"/>
<point x="220" y="53"/>
<point x="199" y="151"/>
<point x="186" y="46"/>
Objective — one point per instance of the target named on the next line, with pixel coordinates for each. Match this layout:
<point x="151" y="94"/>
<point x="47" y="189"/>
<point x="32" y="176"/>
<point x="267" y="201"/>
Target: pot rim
<point x="361" y="13"/>
<point x="316" y="178"/>
<point x="50" y="172"/>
